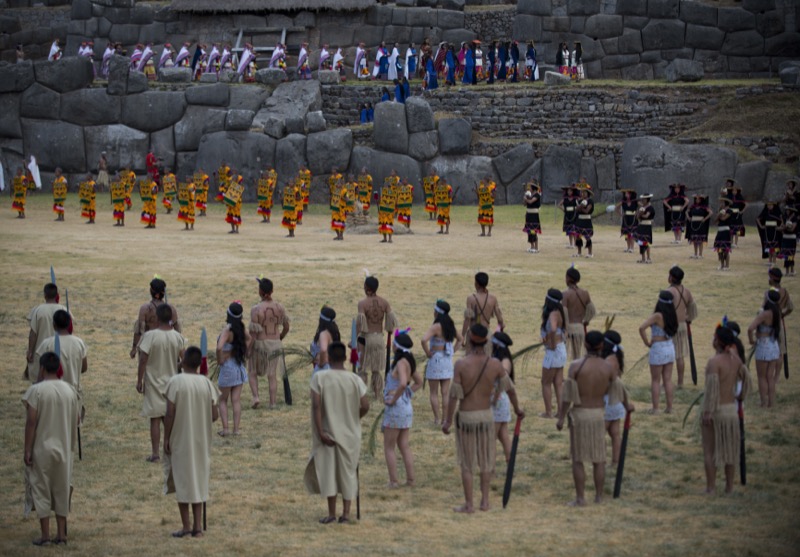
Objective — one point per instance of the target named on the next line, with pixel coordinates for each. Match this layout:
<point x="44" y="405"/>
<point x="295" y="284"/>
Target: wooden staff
<point x="623" y="449"/>
<point x="785" y="349"/>
<point x="287" y="388"/>
<point x="742" y="457"/>
<point x="692" y="361"/>
<point x="511" y="462"/>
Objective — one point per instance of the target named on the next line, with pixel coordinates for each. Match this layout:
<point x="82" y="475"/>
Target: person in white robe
<point x="393" y="63"/>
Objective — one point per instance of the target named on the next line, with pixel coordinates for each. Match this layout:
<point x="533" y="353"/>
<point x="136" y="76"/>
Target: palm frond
<point x="213" y="366"/>
<point x="695" y="402"/>
<point x="639" y="362"/>
<point x="609" y="323"/>
<point x="372" y="441"/>
<point x="528" y="349"/>
<point x="750" y="355"/>
<point x="302" y="358"/>
<point x="526" y="356"/>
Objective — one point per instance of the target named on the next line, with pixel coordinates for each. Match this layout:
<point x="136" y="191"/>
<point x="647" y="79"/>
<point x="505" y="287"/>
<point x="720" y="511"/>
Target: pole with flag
<point x="204" y="352"/>
<point x="354" y="346"/>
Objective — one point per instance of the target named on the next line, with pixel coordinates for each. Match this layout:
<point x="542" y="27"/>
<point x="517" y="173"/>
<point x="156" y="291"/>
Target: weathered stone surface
<point x="665" y="9"/>
<point x="421" y="17"/>
<point x="448" y="19"/>
<point x="293" y="99"/>
<point x="699" y="13"/>
<point x="290" y="155"/>
<point x="527" y="28"/>
<point x="419" y="115"/>
<point x="583" y="7"/>
<point x="514" y="191"/>
<point x="38" y="101"/>
<point x="249" y="153"/>
<point x="137" y="83"/>
<point x="315" y="122"/>
<point x="630" y="42"/>
<point x="124" y="146"/>
<point x="560" y="167"/>
<point x="638" y="72"/>
<point x="196" y="122"/>
<point x="9" y="116"/>
<point x="788" y="76"/>
<point x="162" y="143"/>
<point x="735" y="19"/>
<point x="55" y="144"/>
<point x="775" y="184"/>
<point x="663" y="33"/>
<point x="208" y="95"/>
<point x="381" y="164"/>
<point x="123" y="33"/>
<point x="452" y="4"/>
<point x="329" y="149"/>
<point x="554" y="79"/>
<point x="153" y="110"/>
<point x="118" y="75"/>
<point x="635" y="22"/>
<point x="458" y="36"/>
<point x="274" y="126"/>
<point x="81" y="9"/>
<point x="648" y="161"/>
<point x="247" y="97"/>
<point x="68" y="74"/>
<point x="510" y="164"/>
<point x="295" y="125"/>
<point x="786" y="44"/>
<point x="302" y="19"/>
<point x="708" y="38"/>
<point x="535" y="7"/>
<point x="743" y="43"/>
<point x="606" y="170"/>
<point x="455" y="136"/>
<point x="423" y="146"/>
<point x="396" y="34"/>
<point x="463" y="173"/>
<point x="712" y="60"/>
<point x="186" y="164"/>
<point x="16" y="77"/>
<point x="770" y="24"/>
<point x="390" y="132"/>
<point x="631" y="7"/>
<point x="90" y="107"/>
<point x="684" y="70"/>
<point x="155" y="33"/>
<point x="589" y="172"/>
<point x="556" y="24"/>
<point x="336" y="34"/>
<point x="208" y="78"/>
<point x="175" y="75"/>
<point x="752" y="176"/>
<point x="271" y="76"/>
<point x="603" y="26"/>
<point x="239" y="120"/>
<point x="328" y="77"/>
<point x="758" y="5"/>
<point x="228" y="76"/>
<point x="617" y="61"/>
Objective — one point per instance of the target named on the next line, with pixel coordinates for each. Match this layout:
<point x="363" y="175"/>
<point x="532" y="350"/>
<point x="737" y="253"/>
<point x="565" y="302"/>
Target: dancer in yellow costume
<point x="20" y="186"/>
<point x="200" y="181"/>
<point x="442" y="196"/>
<point x="233" y="202"/>
<point x="365" y="190"/>
<point x="266" y="189"/>
<point x="386" y="210"/>
<point x="59" y="194"/>
<point x="186" y="204"/>
<point x="428" y="187"/>
<point x="405" y="199"/>
<point x="119" y="196"/>
<point x="224" y="174"/>
<point x="291" y="200"/>
<point x="486" y="189"/>
<point x="304" y="184"/>
<point x="170" y="189"/>
<point x="338" y="210"/>
<point x="88" y="194"/>
<point x="148" y="191"/>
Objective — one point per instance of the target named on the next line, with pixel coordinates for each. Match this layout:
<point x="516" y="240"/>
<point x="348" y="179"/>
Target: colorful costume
<point x="88" y="199"/>
<point x="386" y="210"/>
<point x="129" y="180"/>
<point x="233" y="202"/>
<point x="365" y="191"/>
<point x="119" y="195"/>
<point x="644" y="226"/>
<point x="428" y="187"/>
<point x="266" y="189"/>
<point x="186" y="202"/>
<point x="486" y="202"/>
<point x="722" y="241"/>
<point x="769" y="223"/>
<point x="698" y="222"/>
<point x="148" y="191"/>
<point x="290" y="202"/>
<point x="569" y="202"/>
<point x="170" y="189"/>
<point x="20" y="184"/>
<point x="533" y="226"/>
<point x="405" y="200"/>
<point x="338" y="208"/>
<point x="59" y="195"/>
<point x="304" y="185"/>
<point x="442" y="196"/>
<point x="675" y="209"/>
<point x="201" y="188"/>
<point x="224" y="174"/>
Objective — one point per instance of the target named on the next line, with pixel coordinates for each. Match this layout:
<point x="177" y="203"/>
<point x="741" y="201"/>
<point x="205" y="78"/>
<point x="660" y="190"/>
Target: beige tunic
<point x="189" y="466"/>
<point x="332" y="470"/>
<point x="50" y="476"/>
<point x="41" y="322"/>
<point x="72" y="352"/>
<point x="163" y="349"/>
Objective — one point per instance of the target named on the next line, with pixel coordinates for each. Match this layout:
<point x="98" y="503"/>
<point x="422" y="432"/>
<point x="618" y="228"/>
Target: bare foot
<point x="545" y="415"/>
<point x="577" y="503"/>
<point x="464" y="509"/>
<point x="598" y="499"/>
<point x="484" y="506"/>
<point x="255" y="404"/>
<point x="410" y="483"/>
<point x="392" y="485"/>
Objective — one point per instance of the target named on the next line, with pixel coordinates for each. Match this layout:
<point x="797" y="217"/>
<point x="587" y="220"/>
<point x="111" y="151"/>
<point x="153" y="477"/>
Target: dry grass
<point x="258" y="502"/>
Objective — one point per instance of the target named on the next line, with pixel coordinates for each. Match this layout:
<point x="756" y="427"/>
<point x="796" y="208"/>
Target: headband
<point x="437" y="309"/>
<point x="400" y="348"/>
<point x="498" y="343"/>
<point x="664" y="300"/>
<point x="234" y="315"/>
<point x="328" y="319"/>
<point x="615" y="347"/>
<point x="476" y="339"/>
<point x="549" y="297"/>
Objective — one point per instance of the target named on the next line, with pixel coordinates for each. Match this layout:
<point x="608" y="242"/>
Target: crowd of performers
<point x="477" y="388"/>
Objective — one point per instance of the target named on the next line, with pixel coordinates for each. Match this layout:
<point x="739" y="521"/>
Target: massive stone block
<point x="271" y="76"/>
<point x="684" y="70"/>
<point x="554" y="79"/>
<point x="419" y="116"/>
<point x="55" y="144"/>
<point x="239" y="120"/>
<point x="455" y="136"/>
<point x="380" y="165"/>
<point x="630" y="42"/>
<point x="90" y="107"/>
<point x="249" y="153"/>
<point x="510" y="164"/>
<point x="786" y="44"/>
<point x="775" y="184"/>
<point x="40" y="102"/>
<point x="752" y="177"/>
<point x="315" y="122"/>
<point x="137" y="83"/>
<point x="463" y="173"/>
<point x="336" y="34"/>
<point x="606" y="171"/>
<point x="422" y="17"/>
<point x="186" y="164"/>
<point x="67" y="74"/>
<point x="735" y="19"/>
<point x="458" y="36"/>
<point x="118" y="75"/>
<point x="329" y="149"/>
<point x="631" y="7"/>
<point x="758" y="5"/>
<point x="527" y="28"/>
<point x="16" y="77"/>
<point x="770" y="24"/>
<point x="743" y="43"/>
<point x="390" y="132"/>
<point x="124" y="146"/>
<point x="560" y="167"/>
<point x="247" y="97"/>
<point x="617" y="61"/>
<point x="81" y="9"/>
<point x="290" y="155"/>
<point x="638" y="72"/>
<point x="535" y="7"/>
<point x="663" y="33"/>
<point x="9" y="116"/>
<point x="602" y="26"/>
<point x="162" y="143"/>
<point x="423" y="146"/>
<point x="124" y="33"/>
<point x="665" y="9"/>
<point x="175" y="75"/>
<point x="708" y="38"/>
<point x="514" y="191"/>
<point x="209" y="95"/>
<point x="699" y="13"/>
<point x="153" y="110"/>
<point x="583" y="7"/>
<point x="290" y="100"/>
<point x="447" y="19"/>
<point x="196" y="122"/>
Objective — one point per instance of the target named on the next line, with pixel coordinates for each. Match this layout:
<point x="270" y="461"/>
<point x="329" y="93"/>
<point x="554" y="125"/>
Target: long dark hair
<point x="771" y="303"/>
<point x="551" y="305"/>
<point x="327" y="323"/>
<point x="234" y="319"/>
<point x="445" y="321"/>
<point x="405" y="341"/>
<point x="734" y="327"/>
<point x="666" y="308"/>
<point x="612" y="344"/>
<point x="502" y="352"/>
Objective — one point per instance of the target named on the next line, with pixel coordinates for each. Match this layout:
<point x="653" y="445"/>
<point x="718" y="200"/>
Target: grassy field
<point x="259" y="505"/>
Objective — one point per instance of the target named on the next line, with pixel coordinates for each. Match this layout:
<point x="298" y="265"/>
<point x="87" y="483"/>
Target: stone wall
<point x="34" y="28"/>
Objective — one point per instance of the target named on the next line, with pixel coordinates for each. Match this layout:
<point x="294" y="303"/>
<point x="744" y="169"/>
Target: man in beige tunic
<point x="590" y="378"/>
<point x="474" y="379"/>
<point x="50" y="439"/>
<point x="686" y="309"/>
<point x="192" y="401"/>
<point x="269" y="324"/>
<point x="374" y="317"/>
<point x="147" y="319"/>
<point x="580" y="311"/>
<point x="72" y="352"/>
<point x="41" y="327"/>
<point x="338" y="402"/>
<point x="481" y="308"/>
<point x="160" y="350"/>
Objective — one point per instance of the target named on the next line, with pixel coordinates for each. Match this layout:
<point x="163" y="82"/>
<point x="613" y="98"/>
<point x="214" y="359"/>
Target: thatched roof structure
<point x="259" y="6"/>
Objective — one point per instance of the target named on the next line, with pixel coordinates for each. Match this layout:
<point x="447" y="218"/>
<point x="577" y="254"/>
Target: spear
<point x="511" y="462"/>
<point x="785" y="350"/>
<point x="622" y="450"/>
<point x="692" y="361"/>
<point x="204" y="352"/>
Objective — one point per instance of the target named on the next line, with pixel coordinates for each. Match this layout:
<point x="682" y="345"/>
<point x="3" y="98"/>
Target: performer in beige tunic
<point x="590" y="378"/>
<point x="50" y="439"/>
<point x="72" y="352"/>
<point x="269" y="324"/>
<point x="374" y="317"/>
<point x="786" y="306"/>
<point x="727" y="380"/>
<point x="41" y="327"/>
<point x="481" y="308"/>
<point x="580" y="310"/>
<point x="159" y="353"/>
<point x="338" y="402"/>
<point x="192" y="401"/>
<point x="686" y="310"/>
<point x="147" y="320"/>
<point x="475" y="377"/>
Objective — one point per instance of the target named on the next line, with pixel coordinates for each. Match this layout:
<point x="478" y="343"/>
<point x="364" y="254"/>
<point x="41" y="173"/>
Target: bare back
<point x="272" y="318"/>
<point x="593" y="376"/>
<point x="481" y="307"/>
<point x="575" y="301"/>
<point x="477" y="374"/>
<point x="149" y="319"/>
<point x="375" y="309"/>
<point x="681" y="299"/>
<point x="726" y="366"/>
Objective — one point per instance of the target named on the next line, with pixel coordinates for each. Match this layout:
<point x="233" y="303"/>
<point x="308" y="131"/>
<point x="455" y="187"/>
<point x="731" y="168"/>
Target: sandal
<point x="181" y="533"/>
<point x="327" y="520"/>
<point x="41" y="542"/>
<point x="60" y="541"/>
<point x="197" y="533"/>
<point x="223" y="433"/>
<point x="153" y="458"/>
<point x="344" y="520"/>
